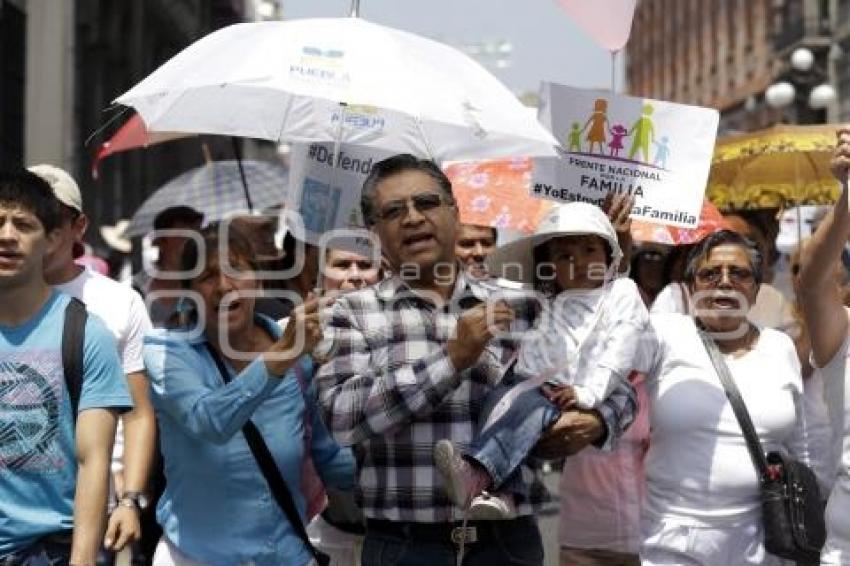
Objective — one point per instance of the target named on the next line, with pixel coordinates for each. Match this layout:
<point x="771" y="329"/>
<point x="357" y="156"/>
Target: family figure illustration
<point x="642" y="134"/>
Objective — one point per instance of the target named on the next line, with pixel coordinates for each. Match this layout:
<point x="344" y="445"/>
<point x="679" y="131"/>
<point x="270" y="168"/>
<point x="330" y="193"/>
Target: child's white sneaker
<point x="498" y="506"/>
<point x="462" y="480"/>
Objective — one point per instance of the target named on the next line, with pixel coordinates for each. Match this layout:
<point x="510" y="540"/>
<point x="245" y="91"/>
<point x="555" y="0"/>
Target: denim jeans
<point x="502" y="543"/>
<point x="503" y="445"/>
<point x="54" y="550"/>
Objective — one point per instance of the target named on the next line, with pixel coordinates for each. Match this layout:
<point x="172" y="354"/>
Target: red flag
<point x="131" y="135"/>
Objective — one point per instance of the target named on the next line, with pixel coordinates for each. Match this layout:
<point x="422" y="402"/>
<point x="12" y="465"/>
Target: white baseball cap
<point x="64" y="186"/>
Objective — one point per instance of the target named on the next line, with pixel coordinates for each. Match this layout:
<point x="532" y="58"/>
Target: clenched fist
<point x="474" y="329"/>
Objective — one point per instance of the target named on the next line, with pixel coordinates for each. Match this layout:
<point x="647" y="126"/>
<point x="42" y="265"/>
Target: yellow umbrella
<point x="774" y="168"/>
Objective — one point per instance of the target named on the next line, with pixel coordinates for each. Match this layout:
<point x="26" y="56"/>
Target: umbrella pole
<point x="238" y="153"/>
<point x="799" y="226"/>
<point x="355" y="9"/>
<point x="613" y="72"/>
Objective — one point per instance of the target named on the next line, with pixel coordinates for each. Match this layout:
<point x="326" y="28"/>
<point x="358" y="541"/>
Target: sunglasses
<point x="422" y="202"/>
<point x="713" y="275"/>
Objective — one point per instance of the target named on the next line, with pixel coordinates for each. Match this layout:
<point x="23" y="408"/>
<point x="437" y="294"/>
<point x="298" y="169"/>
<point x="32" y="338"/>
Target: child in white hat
<point x="583" y="347"/>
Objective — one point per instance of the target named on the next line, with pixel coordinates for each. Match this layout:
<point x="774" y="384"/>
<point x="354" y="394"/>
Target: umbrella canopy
<point x="339" y="79"/>
<point x="773" y="168"/>
<point x="710" y="220"/>
<point x="497" y="193"/>
<point x="216" y="191"/>
<point x="131" y="135"/>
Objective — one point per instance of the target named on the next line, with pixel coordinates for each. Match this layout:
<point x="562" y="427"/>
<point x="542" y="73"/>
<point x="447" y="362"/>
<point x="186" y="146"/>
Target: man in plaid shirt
<point x="414" y="357"/>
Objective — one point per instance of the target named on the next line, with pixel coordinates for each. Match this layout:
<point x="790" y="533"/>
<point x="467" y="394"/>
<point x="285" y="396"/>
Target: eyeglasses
<point x="713" y="275"/>
<point x="423" y="202"/>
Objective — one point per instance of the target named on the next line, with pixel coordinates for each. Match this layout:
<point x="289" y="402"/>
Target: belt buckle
<point x="464" y="535"/>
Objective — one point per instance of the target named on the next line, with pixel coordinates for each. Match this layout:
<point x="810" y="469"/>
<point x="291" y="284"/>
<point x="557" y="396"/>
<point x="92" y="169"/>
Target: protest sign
<point x="326" y="192"/>
<point x="660" y="152"/>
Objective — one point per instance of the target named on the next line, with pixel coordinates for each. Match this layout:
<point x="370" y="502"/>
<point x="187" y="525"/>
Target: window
<point x="843" y="11"/>
<point x="12" y="65"/>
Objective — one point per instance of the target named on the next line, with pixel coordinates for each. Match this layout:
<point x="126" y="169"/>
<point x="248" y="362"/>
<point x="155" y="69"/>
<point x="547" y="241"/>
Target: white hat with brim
<point x="114" y="236"/>
<point x="515" y="261"/>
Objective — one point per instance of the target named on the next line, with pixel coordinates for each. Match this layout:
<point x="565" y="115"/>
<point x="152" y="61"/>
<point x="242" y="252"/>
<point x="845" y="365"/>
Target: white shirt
<point x="120" y="307"/>
<point x="587" y="338"/>
<point x="673" y="297"/>
<point x="819" y="428"/>
<point x="698" y="469"/>
<point x="837" y="397"/>
<point x="123" y="311"/>
<point x="836" y="394"/>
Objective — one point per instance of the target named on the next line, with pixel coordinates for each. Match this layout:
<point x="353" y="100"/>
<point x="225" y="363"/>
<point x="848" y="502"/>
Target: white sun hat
<point x="114" y="236"/>
<point x="515" y="261"/>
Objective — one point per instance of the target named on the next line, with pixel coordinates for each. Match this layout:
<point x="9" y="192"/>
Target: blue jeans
<point x="54" y="550"/>
<point x="502" y="543"/>
<point x="503" y="445"/>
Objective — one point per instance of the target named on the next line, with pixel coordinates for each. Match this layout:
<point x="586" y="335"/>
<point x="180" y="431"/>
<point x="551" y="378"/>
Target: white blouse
<point x="698" y="469"/>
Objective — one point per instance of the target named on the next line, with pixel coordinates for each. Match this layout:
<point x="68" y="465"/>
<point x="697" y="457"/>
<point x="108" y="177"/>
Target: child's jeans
<point x="520" y="414"/>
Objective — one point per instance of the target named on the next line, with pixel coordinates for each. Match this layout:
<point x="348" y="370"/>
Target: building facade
<point x="725" y="53"/>
<point x="64" y="61"/>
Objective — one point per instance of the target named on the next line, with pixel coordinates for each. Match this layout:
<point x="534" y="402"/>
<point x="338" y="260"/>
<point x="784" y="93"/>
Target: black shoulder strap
<point x="271" y="472"/>
<point x="73" y="343"/>
<point x="750" y="435"/>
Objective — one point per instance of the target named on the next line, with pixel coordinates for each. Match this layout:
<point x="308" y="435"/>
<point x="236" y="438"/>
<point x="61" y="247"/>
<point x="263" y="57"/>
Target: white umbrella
<point x="339" y="79"/>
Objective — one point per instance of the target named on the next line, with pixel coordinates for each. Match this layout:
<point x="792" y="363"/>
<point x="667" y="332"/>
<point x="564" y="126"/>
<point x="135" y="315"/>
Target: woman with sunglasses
<point x="827" y="321"/>
<point x="703" y="502"/>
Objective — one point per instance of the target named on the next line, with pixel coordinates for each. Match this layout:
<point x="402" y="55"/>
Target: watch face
<point x="139" y="499"/>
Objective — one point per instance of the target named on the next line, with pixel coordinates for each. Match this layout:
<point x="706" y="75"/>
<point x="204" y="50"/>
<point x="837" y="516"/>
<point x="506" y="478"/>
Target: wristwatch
<point x="135" y="499"/>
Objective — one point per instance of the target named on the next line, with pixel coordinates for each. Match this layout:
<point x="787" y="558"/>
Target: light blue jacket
<point x="217" y="506"/>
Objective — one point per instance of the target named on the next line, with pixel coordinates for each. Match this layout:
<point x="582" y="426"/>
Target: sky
<point x="546" y="43"/>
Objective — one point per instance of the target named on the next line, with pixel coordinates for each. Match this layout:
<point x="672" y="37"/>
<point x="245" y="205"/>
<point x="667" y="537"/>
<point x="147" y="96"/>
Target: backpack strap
<point x="73" y="342"/>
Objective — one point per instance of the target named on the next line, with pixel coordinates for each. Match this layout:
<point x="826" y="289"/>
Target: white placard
<point x="326" y="196"/>
<point x="658" y="151"/>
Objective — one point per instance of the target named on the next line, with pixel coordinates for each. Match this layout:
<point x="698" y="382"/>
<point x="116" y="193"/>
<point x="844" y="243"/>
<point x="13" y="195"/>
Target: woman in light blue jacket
<point x="218" y="508"/>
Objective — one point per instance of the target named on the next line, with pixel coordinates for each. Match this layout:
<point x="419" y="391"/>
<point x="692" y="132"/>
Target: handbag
<point x="791" y="503"/>
<point x="271" y="473"/>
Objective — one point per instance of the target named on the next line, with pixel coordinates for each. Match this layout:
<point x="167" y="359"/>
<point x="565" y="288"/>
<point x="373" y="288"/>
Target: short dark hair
<point x="725" y="237"/>
<point x="21" y="188"/>
<point x="174" y="215"/>
<point x="393" y="166"/>
<point x="238" y="246"/>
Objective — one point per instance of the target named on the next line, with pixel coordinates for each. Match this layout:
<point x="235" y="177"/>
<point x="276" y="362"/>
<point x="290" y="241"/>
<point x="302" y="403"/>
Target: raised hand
<point x="474" y="329"/>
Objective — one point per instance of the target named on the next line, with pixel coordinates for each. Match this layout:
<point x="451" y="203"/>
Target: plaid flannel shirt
<point x="391" y="391"/>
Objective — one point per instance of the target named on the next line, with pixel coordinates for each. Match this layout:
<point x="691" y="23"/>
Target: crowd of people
<point x="398" y="405"/>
